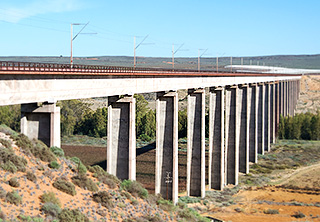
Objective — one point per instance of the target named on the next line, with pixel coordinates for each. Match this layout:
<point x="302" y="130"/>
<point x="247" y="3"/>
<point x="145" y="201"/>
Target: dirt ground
<point x="310" y="94"/>
<point x="252" y="204"/>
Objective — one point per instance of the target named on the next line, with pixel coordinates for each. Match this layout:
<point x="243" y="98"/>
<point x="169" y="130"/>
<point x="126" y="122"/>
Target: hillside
<point x="41" y="184"/>
<point x="289" y="61"/>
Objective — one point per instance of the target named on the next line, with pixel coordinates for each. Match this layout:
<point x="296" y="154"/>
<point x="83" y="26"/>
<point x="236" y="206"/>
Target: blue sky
<point x="225" y="27"/>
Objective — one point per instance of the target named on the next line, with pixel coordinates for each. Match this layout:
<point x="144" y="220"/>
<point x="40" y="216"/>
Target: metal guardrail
<point x="76" y="69"/>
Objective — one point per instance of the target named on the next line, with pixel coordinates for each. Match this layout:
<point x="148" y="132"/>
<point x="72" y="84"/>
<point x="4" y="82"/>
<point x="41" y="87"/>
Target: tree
<point x="10" y="116"/>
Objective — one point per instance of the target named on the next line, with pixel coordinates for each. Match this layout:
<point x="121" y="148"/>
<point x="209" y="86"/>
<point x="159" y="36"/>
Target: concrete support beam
<point x="261" y="118"/>
<point x="41" y="122"/>
<point x="216" y="174"/>
<point x="167" y="145"/>
<point x="121" y="142"/>
<point x="253" y="122"/>
<point x="196" y="159"/>
<point x="272" y="112"/>
<point x="243" y="95"/>
<point x="267" y="118"/>
<point x="232" y="135"/>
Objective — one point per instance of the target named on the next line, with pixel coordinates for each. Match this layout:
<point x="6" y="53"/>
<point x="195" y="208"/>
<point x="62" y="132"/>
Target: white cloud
<point x="37" y="7"/>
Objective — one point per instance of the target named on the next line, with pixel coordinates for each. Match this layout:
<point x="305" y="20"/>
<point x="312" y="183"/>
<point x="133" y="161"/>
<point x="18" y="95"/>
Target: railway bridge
<point x="244" y="111"/>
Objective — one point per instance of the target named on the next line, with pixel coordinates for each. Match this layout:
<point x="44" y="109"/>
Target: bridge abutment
<point x="121" y="142"/>
<point x="41" y="122"/>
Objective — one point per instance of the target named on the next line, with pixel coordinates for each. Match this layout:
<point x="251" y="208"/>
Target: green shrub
<point x="187" y="214"/>
<point x="50" y="197"/>
<point x="35" y="147"/>
<point x="8" y="131"/>
<point x="14" y="182"/>
<point x="271" y="211"/>
<point x="84" y="182"/>
<point x="3" y="216"/>
<point x="54" y="165"/>
<point x="51" y="209"/>
<point x="109" y="180"/>
<point x="3" y="194"/>
<point x="13" y="198"/>
<point x="298" y="214"/>
<point x="74" y="215"/>
<point x="57" y="151"/>
<point x="81" y="168"/>
<point x="31" y="176"/>
<point x="65" y="186"/>
<point x="8" y="155"/>
<point x="6" y="143"/>
<point x="135" y="188"/>
<point x="104" y="198"/>
<point x="166" y="205"/>
<point x="9" y="166"/>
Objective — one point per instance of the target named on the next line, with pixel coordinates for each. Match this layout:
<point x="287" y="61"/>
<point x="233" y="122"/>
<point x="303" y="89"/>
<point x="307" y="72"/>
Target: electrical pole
<point x="200" y="56"/>
<point x="135" y="48"/>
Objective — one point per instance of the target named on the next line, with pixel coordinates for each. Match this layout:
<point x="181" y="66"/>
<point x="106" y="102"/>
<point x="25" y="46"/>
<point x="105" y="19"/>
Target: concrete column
<point x="216" y="175"/>
<point x="167" y="145"/>
<point x="253" y="117"/>
<point x="242" y="107"/>
<point x="261" y="119"/>
<point x="281" y="98"/>
<point x="272" y="112"/>
<point x="196" y="153"/>
<point x="41" y="122"/>
<point x="267" y="118"/>
<point x="277" y="107"/>
<point x="232" y="135"/>
<point x="121" y="142"/>
<point x="286" y="98"/>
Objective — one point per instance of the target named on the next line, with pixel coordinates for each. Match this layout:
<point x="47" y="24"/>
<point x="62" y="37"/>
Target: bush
<point x="57" y="151"/>
<point x="271" y="211"/>
<point x="65" y="186"/>
<point x="6" y="143"/>
<point x="81" y="168"/>
<point x="135" y="188"/>
<point x="104" y="198"/>
<point x="50" y="197"/>
<point x="3" y="193"/>
<point x="67" y="215"/>
<point x="299" y="214"/>
<point x="84" y="182"/>
<point x="35" y="147"/>
<point x="8" y="131"/>
<point x="166" y="205"/>
<point x="54" y="165"/>
<point x="31" y="176"/>
<point x="19" y="162"/>
<point x="51" y="209"/>
<point x="3" y="217"/>
<point x="14" y="182"/>
<point x="13" y="198"/>
<point x="9" y="166"/>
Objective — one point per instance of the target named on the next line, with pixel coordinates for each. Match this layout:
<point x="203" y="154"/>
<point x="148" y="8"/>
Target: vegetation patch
<point x="57" y="151"/>
<point x="65" y="186"/>
<point x="14" y="198"/>
<point x="84" y="182"/>
<point x="14" y="182"/>
<point x="299" y="214"/>
<point x="67" y="215"/>
<point x="104" y="177"/>
<point x="6" y="143"/>
<point x="51" y="209"/>
<point x="31" y="176"/>
<point x="104" y="198"/>
<point x="135" y="188"/>
<point x="54" y="165"/>
<point x="8" y="158"/>
<point x="271" y="211"/>
<point x="50" y="197"/>
<point x="80" y="166"/>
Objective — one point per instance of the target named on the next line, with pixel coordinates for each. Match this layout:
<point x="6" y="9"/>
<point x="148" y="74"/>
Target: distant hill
<point x="290" y="61"/>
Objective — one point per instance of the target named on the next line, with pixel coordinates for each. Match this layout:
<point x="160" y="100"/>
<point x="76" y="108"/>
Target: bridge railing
<point x="51" y="67"/>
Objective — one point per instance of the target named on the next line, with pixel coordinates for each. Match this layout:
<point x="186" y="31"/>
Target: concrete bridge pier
<point x="243" y="94"/>
<point x="41" y="122"/>
<point x="196" y="162"/>
<point x="277" y="107"/>
<point x="216" y="174"/>
<point x="261" y="118"/>
<point x="167" y="145"/>
<point x="253" y="122"/>
<point x="267" y="117"/>
<point x="232" y="128"/>
<point x="121" y="142"/>
<point x="272" y="110"/>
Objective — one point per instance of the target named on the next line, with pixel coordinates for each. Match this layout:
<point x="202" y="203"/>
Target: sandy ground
<point x="252" y="203"/>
